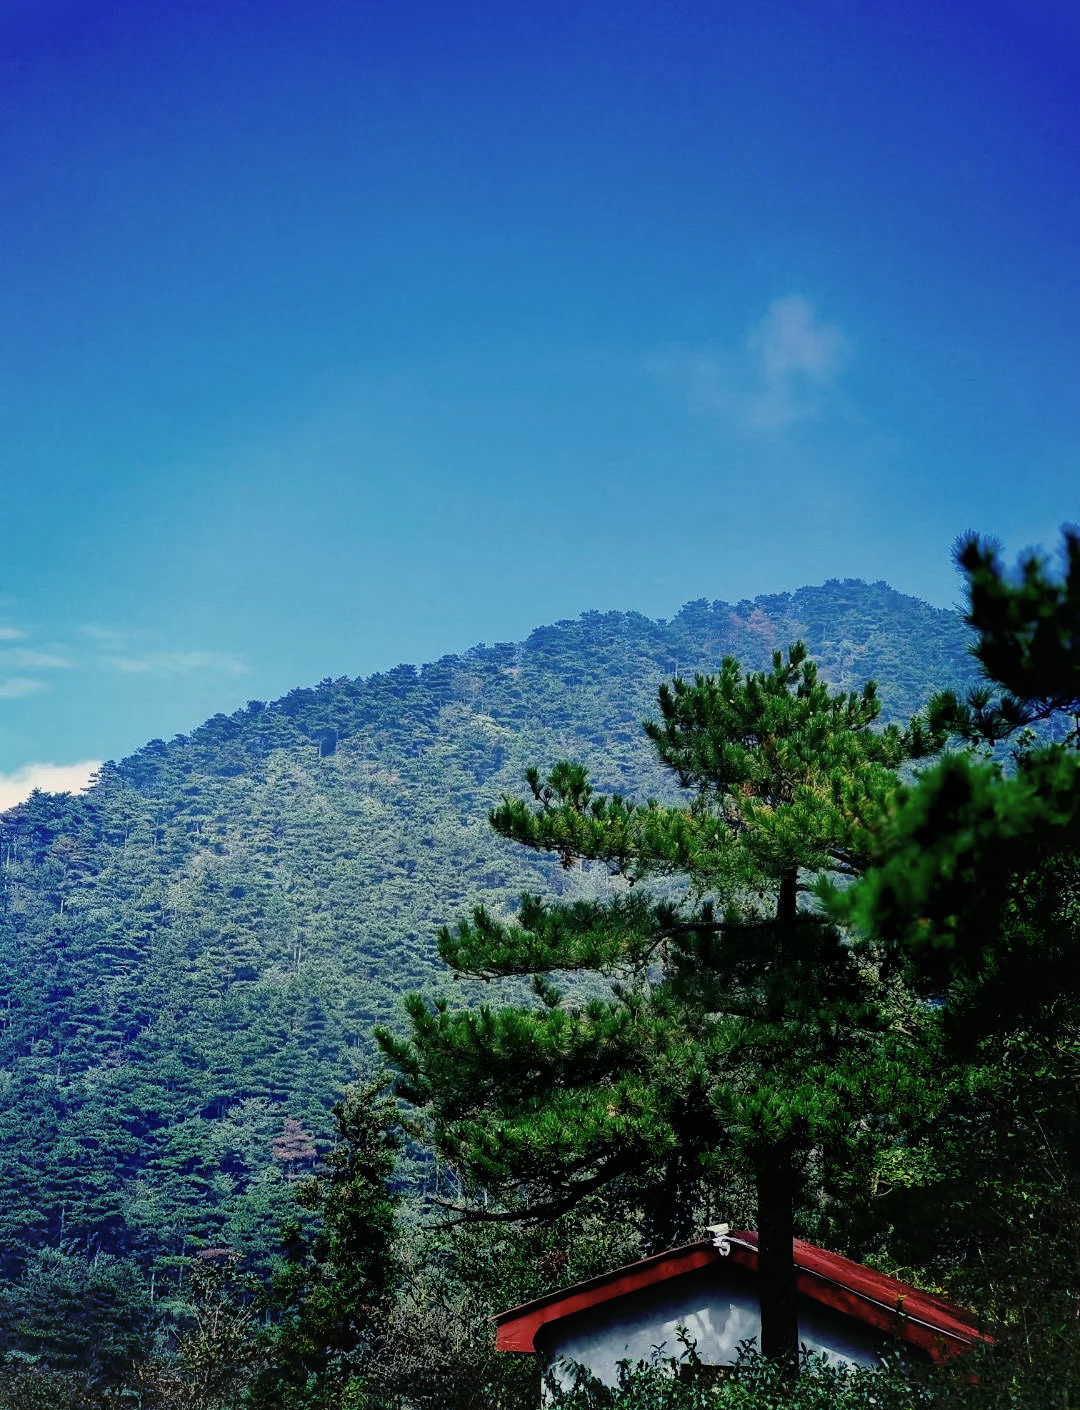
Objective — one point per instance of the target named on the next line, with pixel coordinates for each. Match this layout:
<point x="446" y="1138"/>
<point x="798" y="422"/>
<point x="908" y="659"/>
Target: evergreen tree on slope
<point x="977" y="881"/>
<point x="741" y="1030"/>
<point x="333" y="1287"/>
<point x="976" y="871"/>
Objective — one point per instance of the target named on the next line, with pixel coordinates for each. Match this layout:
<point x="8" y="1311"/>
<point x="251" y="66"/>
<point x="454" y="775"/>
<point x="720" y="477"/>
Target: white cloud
<point x="791" y="341"/>
<point x="108" y="636"/>
<point x="11" y="634"/>
<point x="34" y="660"/>
<point x="782" y="374"/>
<point x="51" y="778"/>
<point x="177" y="662"/>
<point x="15" y="687"/>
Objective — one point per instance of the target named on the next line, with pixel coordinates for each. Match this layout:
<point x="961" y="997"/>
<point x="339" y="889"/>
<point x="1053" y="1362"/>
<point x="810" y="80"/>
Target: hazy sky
<point x="339" y="334"/>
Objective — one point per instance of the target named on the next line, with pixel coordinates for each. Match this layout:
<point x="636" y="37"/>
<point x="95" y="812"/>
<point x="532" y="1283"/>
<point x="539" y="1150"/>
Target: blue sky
<point x="343" y="334"/>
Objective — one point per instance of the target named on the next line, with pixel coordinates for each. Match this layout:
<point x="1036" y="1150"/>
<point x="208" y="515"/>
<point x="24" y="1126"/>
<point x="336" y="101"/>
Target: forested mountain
<point x="193" y="953"/>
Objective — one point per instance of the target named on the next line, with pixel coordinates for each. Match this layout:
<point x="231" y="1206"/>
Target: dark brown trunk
<point x="669" y="1207"/>
<point x="787" y="902"/>
<point x="787" y="905"/>
<point x="776" y="1260"/>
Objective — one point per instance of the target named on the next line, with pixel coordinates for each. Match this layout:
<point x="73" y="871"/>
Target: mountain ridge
<point x="194" y="952"/>
<point x="735" y="624"/>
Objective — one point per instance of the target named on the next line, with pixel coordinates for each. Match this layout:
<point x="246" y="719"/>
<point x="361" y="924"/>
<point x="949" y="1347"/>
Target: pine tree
<point x="334" y="1284"/>
<point x="1027" y="644"/>
<point x="975" y="872"/>
<point x="976" y="883"/>
<point x="741" y="1029"/>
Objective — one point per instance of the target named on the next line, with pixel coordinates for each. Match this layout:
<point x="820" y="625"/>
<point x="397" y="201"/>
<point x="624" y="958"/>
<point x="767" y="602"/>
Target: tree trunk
<point x="669" y="1206"/>
<point x="787" y="900"/>
<point x="776" y="1261"/>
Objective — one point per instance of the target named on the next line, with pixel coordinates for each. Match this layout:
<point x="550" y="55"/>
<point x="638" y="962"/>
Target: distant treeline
<point x="193" y="954"/>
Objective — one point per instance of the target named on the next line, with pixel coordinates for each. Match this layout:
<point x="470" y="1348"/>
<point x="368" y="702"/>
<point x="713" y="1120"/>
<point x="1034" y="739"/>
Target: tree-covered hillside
<point x="193" y="954"/>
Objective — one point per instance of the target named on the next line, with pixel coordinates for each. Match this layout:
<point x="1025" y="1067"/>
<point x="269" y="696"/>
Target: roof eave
<point x="939" y="1329"/>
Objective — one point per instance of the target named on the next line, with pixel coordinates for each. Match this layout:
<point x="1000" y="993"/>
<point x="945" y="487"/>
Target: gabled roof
<point x="939" y="1327"/>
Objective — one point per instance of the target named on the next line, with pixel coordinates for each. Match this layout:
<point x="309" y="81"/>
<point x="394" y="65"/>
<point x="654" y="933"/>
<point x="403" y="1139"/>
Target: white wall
<point x="718" y="1305"/>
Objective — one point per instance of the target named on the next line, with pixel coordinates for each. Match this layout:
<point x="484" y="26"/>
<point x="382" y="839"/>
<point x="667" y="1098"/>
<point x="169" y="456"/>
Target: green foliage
<point x="218" y="1349"/>
<point x="783" y="770"/>
<point x="975" y="862"/>
<point x="978" y="887"/>
<point x="28" y="1387"/>
<point x="682" y="1382"/>
<point x="70" y="1312"/>
<point x="333" y="1288"/>
<point x="195" y="953"/>
<point x="741" y="1031"/>
<point x="197" y="950"/>
<point x="980" y="866"/>
<point x="756" y="1383"/>
<point x="1028" y="625"/>
<point x="438" y="1351"/>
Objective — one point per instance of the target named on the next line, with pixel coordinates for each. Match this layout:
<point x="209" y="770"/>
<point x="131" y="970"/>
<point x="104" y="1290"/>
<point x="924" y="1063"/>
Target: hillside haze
<point x="194" y="952"/>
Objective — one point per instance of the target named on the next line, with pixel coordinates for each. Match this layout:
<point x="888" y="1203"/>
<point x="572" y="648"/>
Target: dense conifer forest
<point x="195" y="955"/>
<point x="195" y="952"/>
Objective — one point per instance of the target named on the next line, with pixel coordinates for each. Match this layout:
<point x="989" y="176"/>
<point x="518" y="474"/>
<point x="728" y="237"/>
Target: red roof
<point x="939" y="1327"/>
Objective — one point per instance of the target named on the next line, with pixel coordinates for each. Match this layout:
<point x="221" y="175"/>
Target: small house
<point x="845" y="1309"/>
